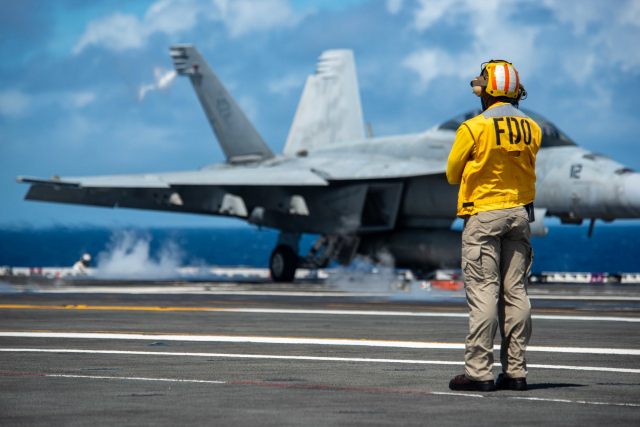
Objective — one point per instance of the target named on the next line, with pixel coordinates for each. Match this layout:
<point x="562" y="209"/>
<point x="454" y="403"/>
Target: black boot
<point x="504" y="383"/>
<point x="461" y="382"/>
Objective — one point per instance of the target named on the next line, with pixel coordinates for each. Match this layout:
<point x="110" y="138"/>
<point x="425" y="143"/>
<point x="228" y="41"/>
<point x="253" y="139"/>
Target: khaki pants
<point x="496" y="261"/>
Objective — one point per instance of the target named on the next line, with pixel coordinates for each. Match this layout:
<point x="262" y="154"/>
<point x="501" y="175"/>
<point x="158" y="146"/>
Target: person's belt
<point x="529" y="208"/>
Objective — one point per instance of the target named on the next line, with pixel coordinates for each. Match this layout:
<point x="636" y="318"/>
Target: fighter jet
<point x="364" y="196"/>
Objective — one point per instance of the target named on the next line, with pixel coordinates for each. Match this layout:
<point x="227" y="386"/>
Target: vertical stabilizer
<point x="329" y="111"/>
<point x="237" y="136"/>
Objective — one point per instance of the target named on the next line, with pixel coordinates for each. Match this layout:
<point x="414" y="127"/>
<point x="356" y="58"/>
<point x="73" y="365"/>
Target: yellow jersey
<point x="493" y="159"/>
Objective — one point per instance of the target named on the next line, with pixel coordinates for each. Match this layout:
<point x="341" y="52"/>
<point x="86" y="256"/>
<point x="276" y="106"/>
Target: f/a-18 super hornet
<point x="362" y="195"/>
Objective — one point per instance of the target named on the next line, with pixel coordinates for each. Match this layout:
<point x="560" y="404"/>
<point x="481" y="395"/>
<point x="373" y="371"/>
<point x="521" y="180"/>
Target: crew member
<point x="81" y="266"/>
<point x="493" y="159"/>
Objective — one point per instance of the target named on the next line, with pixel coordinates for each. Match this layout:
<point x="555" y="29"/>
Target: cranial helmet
<point x="499" y="79"/>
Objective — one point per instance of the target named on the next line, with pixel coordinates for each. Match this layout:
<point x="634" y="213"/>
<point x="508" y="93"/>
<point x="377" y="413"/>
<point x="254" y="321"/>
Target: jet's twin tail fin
<point x="237" y="136"/>
<point x="329" y="111"/>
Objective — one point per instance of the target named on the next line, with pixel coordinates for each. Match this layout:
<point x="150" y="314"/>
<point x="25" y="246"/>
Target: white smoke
<point x="128" y="256"/>
<point x="163" y="78"/>
<point x="377" y="274"/>
<point x="366" y="274"/>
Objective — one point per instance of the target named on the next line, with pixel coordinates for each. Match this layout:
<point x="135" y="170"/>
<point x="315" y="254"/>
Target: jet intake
<point x="380" y="208"/>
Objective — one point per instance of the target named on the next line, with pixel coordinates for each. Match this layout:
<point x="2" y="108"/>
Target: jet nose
<point x="631" y="188"/>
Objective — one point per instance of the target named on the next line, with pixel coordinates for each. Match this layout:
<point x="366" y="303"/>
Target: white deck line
<point x="586" y="297"/>
<point x="207" y="290"/>
<point x="393" y="313"/>
<point x="300" y="341"/>
<point x="417" y="314"/>
<point x="304" y="358"/>
<point x="197" y="290"/>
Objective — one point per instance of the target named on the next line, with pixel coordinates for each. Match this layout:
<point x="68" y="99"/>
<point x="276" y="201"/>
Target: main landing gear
<point x="283" y="264"/>
<point x="285" y="260"/>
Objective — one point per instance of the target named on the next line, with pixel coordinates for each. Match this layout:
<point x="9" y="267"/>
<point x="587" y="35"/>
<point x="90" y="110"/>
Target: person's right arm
<point x="461" y="152"/>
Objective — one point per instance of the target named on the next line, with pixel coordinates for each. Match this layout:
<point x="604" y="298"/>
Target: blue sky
<point x="72" y="71"/>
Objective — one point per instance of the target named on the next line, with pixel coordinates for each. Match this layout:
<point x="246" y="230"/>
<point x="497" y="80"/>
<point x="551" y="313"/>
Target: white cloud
<point x="579" y="13"/>
<point x="120" y="32"/>
<point x="430" y="64"/>
<point x="245" y="16"/>
<point x="14" y="103"/>
<point x="394" y="6"/>
<point x="116" y="32"/>
<point x="250" y="107"/>
<point x="76" y="129"/>
<point x="609" y="30"/>
<point x="493" y="37"/>
<point x="285" y="84"/>
<point x="81" y="99"/>
<point x="631" y="13"/>
<point x="603" y="35"/>
<point x="431" y="11"/>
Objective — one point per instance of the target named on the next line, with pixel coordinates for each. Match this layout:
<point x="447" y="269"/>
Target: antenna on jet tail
<point x="238" y="138"/>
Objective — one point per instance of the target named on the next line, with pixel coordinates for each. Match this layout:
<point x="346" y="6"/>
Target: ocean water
<point x="611" y="249"/>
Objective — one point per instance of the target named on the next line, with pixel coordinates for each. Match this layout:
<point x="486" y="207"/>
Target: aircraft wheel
<point x="283" y="264"/>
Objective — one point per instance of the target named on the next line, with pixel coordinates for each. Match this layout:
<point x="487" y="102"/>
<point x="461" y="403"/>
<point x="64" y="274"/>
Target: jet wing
<point x="222" y="190"/>
<point x="319" y="194"/>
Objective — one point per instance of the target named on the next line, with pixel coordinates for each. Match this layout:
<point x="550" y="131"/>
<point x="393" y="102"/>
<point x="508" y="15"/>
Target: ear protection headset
<point x="496" y="79"/>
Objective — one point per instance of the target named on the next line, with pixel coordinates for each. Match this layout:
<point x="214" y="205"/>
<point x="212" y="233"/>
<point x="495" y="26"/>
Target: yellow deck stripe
<point x="237" y="309"/>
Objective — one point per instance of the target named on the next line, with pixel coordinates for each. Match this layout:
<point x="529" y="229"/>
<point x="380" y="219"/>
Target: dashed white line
<point x="299" y="341"/>
<point x="302" y="358"/>
<point x="325" y="387"/>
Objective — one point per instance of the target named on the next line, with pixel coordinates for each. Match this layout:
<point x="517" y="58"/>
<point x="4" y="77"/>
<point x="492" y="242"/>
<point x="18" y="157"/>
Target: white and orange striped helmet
<point x="499" y="78"/>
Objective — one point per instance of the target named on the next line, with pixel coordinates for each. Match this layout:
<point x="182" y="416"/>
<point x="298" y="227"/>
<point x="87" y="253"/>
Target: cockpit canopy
<point x="551" y="135"/>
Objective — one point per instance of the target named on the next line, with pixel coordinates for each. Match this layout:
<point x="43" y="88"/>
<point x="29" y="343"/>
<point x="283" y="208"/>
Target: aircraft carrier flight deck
<point x="313" y="352"/>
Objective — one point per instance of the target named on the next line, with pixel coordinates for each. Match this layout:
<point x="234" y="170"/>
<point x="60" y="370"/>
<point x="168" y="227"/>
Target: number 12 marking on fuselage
<point x="575" y="171"/>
